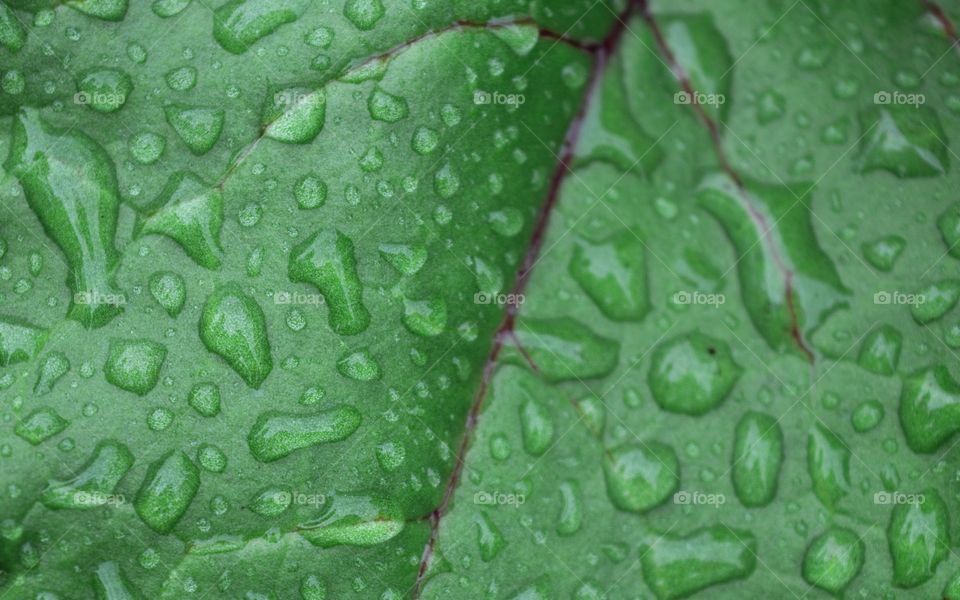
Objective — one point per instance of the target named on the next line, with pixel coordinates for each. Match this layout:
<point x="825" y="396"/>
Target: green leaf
<point x="499" y="299"/>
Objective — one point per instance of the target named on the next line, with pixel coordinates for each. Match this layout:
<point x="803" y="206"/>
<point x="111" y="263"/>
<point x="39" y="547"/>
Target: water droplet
<point x="199" y="127"/>
<point x="40" y="425"/>
<point x="271" y="501"/>
<point x="169" y="290"/>
<point x="678" y="566"/>
<point x="159" y="419"/>
<point x="310" y="192"/>
<point x="110" y="583"/>
<point x="233" y="326"/>
<point x="167" y="491"/>
<point x="867" y="416"/>
<point x="757" y="458"/>
<point x="146" y="148"/>
<point x="929" y="408"/>
<point x="938" y="298"/>
<point x="326" y="260"/>
<point x="312" y="588"/>
<point x="134" y="365"/>
<point x="169" y="8"/>
<point x="276" y="434"/>
<point x="204" y="397"/>
<point x="239" y="24"/>
<point x="390" y="456"/>
<point x="692" y="374"/>
<point x="364" y="14"/>
<point x="386" y="107"/>
<point x="883" y="252"/>
<point x="489" y="538"/>
<point x="425" y="140"/>
<point x="94" y="482"/>
<point x="614" y="275"/>
<point x="880" y="350"/>
<point x="406" y="259"/>
<point x="356" y="521"/>
<point x="828" y="461"/>
<point x="426" y="318"/>
<point x="71" y="186"/>
<point x="104" y="90"/>
<point x="54" y="366"/>
<point x="571" y="508"/>
<point x="904" y="140"/>
<point x="295" y="115"/>
<point x="565" y="349"/>
<point x="446" y="182"/>
<point x="211" y="458"/>
<point x="919" y="539"/>
<point x="641" y="476"/>
<point x="12" y="32"/>
<point x="359" y="365"/>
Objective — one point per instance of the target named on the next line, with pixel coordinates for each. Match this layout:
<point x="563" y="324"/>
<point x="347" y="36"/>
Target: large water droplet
<point x="134" y="365"/>
<point x="198" y="126"/>
<point x="167" y="491"/>
<point x="326" y="260"/>
<point x="641" y="477"/>
<point x="233" y="325"/>
<point x="757" y="457"/>
<point x="276" y="435"/>
<point x="239" y="24"/>
<point x="692" y="374"/>
<point x="833" y="559"/>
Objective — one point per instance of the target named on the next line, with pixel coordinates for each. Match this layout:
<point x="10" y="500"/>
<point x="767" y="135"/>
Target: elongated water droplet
<point x="109" y="583"/>
<point x="355" y="520"/>
<point x="95" y="482"/>
<point x="677" y="566"/>
<point x="54" y="366"/>
<point x="757" y="457"/>
<point x="41" y="424"/>
<point x="326" y="260"/>
<point x="233" y="326"/>
<point x="167" y="491"/>
<point x="71" y="185"/>
<point x="614" y="275"/>
<point x="828" y="461"/>
<point x="239" y="24"/>
<point x="294" y="115"/>
<point x="12" y="32"/>
<point x="571" y="508"/>
<point x="489" y="538"/>
<point x="833" y="560"/>
<point x="919" y="538"/>
<point x="929" y="408"/>
<point x="565" y="349"/>
<point x="276" y="435"/>
<point x="190" y="212"/>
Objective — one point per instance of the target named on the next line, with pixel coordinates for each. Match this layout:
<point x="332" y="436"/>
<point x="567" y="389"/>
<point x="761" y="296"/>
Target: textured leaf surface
<point x="495" y="299"/>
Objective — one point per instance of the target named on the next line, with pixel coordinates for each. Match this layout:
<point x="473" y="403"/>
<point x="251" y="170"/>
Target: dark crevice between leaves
<point x="758" y="218"/>
<point x="601" y="52"/>
<point x="941" y="16"/>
